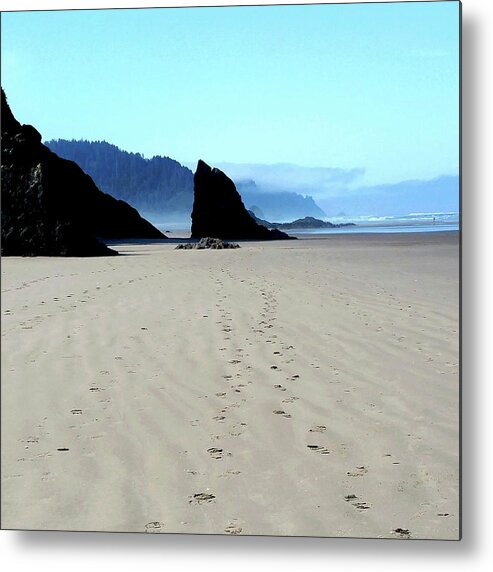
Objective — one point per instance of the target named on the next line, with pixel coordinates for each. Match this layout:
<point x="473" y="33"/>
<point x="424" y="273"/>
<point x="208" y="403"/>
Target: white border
<point x="87" y="552"/>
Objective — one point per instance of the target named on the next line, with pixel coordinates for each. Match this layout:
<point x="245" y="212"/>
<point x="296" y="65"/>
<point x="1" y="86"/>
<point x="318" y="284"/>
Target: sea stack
<point x="219" y="212"/>
<point x="50" y="207"/>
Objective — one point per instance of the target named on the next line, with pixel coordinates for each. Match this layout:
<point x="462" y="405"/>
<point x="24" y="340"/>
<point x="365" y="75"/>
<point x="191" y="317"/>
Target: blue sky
<point x="372" y="87"/>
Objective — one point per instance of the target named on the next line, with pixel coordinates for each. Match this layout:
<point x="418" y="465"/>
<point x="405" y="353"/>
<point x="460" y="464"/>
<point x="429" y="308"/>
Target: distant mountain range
<point x="277" y="205"/>
<point x="163" y="188"/>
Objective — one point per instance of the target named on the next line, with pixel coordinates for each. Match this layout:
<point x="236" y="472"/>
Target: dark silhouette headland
<point x="300" y="223"/>
<point x="50" y="207"/>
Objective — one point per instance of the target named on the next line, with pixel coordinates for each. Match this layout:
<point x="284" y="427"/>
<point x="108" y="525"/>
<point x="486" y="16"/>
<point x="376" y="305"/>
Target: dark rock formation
<point x="308" y="222"/>
<point x="219" y="211"/>
<point x="261" y="221"/>
<point x="50" y="207"/>
<point x="207" y="242"/>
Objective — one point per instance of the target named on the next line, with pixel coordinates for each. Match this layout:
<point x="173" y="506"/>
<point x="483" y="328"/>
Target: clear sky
<point x="363" y="86"/>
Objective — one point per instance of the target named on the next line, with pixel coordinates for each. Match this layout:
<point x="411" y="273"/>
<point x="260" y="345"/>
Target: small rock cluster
<point x="207" y="242"/>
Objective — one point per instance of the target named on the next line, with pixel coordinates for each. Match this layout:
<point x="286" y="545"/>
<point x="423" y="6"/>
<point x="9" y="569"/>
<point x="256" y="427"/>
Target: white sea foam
<point x="410" y="218"/>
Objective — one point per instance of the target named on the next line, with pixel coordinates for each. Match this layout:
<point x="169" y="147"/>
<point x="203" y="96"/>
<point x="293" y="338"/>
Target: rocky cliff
<point x="219" y="212"/>
<point x="50" y="207"/>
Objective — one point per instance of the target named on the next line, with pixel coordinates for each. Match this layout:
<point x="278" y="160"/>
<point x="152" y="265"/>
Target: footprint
<point x="215" y="453"/>
<point x="76" y="411"/>
<point x="291" y="399"/>
<point x="229" y="473"/>
<point x="201" y="498"/>
<point x="318" y="429"/>
<point x="402" y="532"/>
<point x="361" y="505"/>
<point x="281" y="412"/>
<point x="232" y="528"/>
<point x="154" y="527"/>
<point x="319" y="449"/>
<point x="353" y="499"/>
<point x="358" y="471"/>
<point x="280" y="387"/>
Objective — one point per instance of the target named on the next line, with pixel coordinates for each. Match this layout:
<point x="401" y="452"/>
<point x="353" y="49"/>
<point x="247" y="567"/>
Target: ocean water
<point x="375" y="229"/>
<point x="413" y="222"/>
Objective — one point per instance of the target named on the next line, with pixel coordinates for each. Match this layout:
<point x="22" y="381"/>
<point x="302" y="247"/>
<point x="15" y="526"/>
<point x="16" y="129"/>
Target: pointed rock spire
<point x="219" y="212"/>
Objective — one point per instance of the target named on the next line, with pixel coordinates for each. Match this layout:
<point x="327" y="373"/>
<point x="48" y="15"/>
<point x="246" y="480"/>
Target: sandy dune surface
<point x="308" y="387"/>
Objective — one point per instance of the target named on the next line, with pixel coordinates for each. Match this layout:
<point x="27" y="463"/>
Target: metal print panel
<point x="230" y="270"/>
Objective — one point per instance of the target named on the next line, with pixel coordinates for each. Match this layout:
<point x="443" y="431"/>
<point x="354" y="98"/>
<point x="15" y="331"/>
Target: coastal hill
<point x="303" y="223"/>
<point x="161" y="187"/>
<point x="50" y="207"/>
<point x="219" y="212"/>
<point x="277" y="205"/>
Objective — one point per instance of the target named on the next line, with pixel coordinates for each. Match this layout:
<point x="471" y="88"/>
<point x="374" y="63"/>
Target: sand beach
<point x="305" y="387"/>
